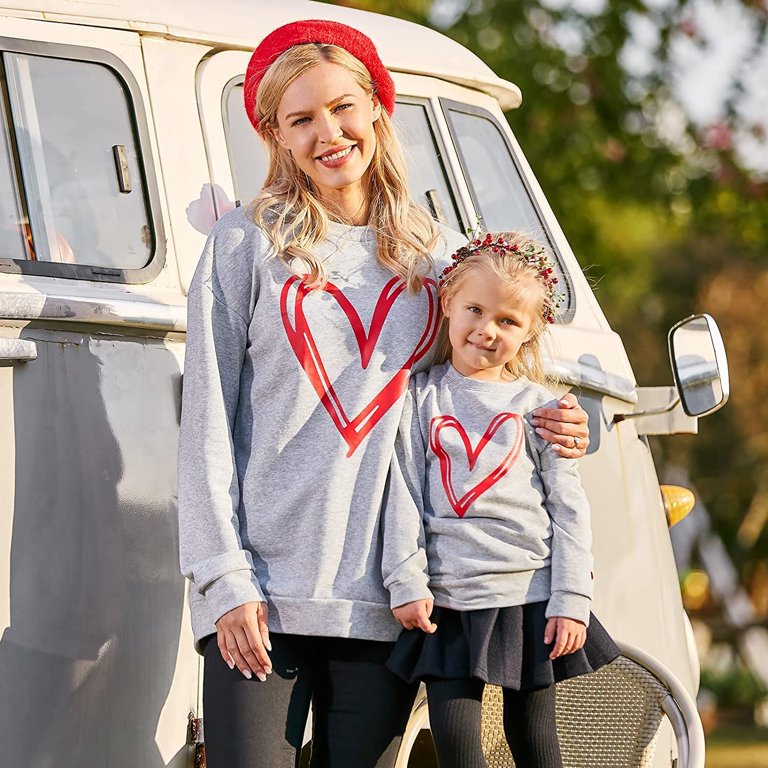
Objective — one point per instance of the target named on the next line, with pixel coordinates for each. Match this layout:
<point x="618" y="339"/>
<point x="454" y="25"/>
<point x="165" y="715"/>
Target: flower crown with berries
<point x="531" y="254"/>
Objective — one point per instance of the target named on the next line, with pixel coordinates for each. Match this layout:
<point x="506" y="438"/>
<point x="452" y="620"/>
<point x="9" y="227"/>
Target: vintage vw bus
<point x="113" y="118"/>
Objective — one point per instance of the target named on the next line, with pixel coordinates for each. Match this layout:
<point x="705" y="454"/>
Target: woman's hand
<point x="242" y="635"/>
<point x="568" y="634"/>
<point x="565" y="427"/>
<point x="416" y="614"/>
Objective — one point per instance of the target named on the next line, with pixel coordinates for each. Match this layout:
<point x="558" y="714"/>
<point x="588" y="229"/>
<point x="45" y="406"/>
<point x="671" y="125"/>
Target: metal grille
<point x="609" y="719"/>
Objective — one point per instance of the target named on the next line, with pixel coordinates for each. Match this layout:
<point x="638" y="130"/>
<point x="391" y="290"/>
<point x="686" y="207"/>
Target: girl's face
<point x="325" y="119"/>
<point x="488" y="322"/>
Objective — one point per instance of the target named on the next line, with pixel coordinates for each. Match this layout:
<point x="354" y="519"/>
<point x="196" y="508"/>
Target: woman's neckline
<point x="338" y="228"/>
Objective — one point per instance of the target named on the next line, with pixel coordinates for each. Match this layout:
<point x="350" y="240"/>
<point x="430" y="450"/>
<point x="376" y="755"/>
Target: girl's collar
<point x="466" y="382"/>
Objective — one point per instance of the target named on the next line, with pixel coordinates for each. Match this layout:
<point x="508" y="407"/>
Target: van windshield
<point x="500" y="193"/>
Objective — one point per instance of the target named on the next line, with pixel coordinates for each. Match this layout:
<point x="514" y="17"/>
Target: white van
<point x="122" y="137"/>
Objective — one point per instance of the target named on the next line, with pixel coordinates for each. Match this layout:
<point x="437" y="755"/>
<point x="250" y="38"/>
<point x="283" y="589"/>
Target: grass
<point x="737" y="746"/>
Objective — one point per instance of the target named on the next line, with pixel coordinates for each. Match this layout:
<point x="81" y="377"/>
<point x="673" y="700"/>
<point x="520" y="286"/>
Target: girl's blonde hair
<point x="288" y="208"/>
<point x="511" y="264"/>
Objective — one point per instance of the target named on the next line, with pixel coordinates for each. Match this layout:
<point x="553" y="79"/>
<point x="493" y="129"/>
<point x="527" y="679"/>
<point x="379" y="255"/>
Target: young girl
<point x="500" y="537"/>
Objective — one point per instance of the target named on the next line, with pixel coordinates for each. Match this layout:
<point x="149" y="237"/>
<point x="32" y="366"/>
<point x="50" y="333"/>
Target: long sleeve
<point x="211" y="552"/>
<point x="571" y="562"/>
<point x="404" y="561"/>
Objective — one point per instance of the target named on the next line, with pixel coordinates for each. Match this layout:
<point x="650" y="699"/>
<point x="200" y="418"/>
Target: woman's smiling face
<point x="326" y="120"/>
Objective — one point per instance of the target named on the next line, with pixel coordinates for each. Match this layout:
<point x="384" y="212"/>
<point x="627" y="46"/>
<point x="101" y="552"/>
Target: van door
<point x="97" y="667"/>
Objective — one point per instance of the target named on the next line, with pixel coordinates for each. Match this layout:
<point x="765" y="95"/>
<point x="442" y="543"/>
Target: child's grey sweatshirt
<point x="291" y="404"/>
<point x="481" y="512"/>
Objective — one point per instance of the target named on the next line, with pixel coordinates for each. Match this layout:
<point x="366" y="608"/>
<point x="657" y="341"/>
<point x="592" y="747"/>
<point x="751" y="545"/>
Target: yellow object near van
<point x="122" y="139"/>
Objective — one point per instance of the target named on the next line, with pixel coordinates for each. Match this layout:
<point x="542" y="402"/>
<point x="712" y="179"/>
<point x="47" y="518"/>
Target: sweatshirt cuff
<point x="404" y="592"/>
<point x="232" y="590"/>
<point x="569" y="605"/>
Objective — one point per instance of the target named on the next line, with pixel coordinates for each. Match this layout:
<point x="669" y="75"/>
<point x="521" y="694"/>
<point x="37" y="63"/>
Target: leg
<point x="250" y="724"/>
<point x="455" y="717"/>
<point x="530" y="728"/>
<point x="360" y="708"/>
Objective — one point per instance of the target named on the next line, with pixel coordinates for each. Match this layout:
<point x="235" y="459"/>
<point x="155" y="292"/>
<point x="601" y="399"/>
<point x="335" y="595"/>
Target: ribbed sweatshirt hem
<point x="320" y="618"/>
<point x="493" y="590"/>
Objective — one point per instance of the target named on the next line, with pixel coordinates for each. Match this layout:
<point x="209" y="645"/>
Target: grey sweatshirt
<point x="291" y="405"/>
<point x="480" y="511"/>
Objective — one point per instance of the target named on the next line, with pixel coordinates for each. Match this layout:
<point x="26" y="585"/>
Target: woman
<point x="308" y="311"/>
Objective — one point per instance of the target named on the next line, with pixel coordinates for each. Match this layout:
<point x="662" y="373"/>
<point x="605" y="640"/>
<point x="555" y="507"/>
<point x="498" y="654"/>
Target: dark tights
<point x="455" y="709"/>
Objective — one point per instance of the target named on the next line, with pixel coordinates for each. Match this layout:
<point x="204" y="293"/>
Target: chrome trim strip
<point x="144" y="313"/>
<point x="17" y="351"/>
<point x="132" y="313"/>
<point x="595" y="379"/>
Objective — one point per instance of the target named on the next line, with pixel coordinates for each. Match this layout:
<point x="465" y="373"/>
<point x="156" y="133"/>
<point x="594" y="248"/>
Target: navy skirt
<point x="501" y="646"/>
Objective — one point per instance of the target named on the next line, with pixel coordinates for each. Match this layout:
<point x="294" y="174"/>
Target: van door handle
<point x="435" y="206"/>
<point x="122" y="169"/>
<point x="14" y="351"/>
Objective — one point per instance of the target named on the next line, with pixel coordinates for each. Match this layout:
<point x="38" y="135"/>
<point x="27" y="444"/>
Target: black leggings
<point x="360" y="709"/>
<point x="455" y="708"/>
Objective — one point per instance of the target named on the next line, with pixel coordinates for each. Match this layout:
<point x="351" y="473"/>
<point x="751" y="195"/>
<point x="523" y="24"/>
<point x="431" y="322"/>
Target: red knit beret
<point x="315" y="31"/>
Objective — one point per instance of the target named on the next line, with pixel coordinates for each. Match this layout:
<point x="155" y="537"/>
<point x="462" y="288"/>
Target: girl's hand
<point x="569" y="635"/>
<point x="242" y="635"/>
<point x="416" y="614"/>
<point x="565" y="427"/>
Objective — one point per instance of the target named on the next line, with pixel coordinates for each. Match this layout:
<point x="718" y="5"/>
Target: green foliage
<point x="737" y="688"/>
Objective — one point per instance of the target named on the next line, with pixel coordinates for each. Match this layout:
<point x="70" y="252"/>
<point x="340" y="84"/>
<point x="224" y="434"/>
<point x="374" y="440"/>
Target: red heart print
<point x="438" y="423"/>
<point x="354" y="430"/>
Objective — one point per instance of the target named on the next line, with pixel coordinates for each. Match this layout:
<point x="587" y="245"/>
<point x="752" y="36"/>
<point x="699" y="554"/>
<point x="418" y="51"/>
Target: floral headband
<point x="530" y="254"/>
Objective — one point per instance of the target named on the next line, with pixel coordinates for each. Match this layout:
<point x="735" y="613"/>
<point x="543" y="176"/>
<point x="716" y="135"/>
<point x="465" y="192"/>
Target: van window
<point x="73" y="196"/>
<point x="499" y="191"/>
<point x="426" y="173"/>
<point x="13" y="239"/>
<point x="427" y="177"/>
<point x="247" y="153"/>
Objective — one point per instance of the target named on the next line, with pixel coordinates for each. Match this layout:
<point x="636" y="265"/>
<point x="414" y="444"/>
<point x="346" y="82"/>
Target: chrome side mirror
<point x="700" y="365"/>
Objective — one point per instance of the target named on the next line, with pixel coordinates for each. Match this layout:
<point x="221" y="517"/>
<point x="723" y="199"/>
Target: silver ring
<point x="576" y="442"/>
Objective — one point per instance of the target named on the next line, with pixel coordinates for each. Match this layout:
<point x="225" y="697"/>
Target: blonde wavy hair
<point x="511" y="267"/>
<point x="288" y="208"/>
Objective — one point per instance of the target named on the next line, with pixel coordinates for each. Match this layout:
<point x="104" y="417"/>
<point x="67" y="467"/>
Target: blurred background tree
<point x="645" y="124"/>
